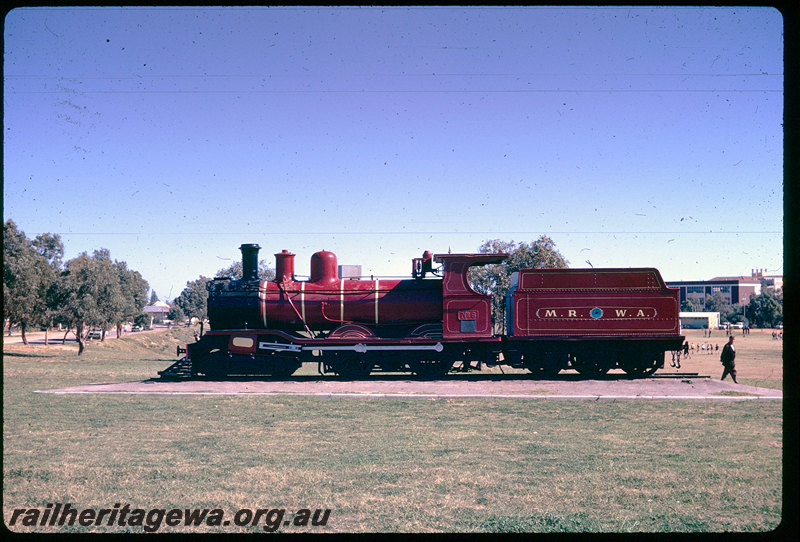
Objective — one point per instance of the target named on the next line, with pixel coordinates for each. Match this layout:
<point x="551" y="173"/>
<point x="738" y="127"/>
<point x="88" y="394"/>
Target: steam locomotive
<point x="590" y="320"/>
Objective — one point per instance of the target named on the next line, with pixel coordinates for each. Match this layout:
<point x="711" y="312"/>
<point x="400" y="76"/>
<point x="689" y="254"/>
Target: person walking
<point x="727" y="358"/>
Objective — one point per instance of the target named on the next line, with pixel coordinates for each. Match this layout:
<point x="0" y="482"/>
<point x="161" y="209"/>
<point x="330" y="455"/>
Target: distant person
<point x="686" y="350"/>
<point x="727" y="358"/>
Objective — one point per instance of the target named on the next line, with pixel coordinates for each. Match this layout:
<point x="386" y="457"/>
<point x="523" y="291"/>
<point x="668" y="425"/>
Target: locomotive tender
<point x="591" y="320"/>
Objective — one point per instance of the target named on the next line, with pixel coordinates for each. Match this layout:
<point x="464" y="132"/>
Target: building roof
<point x="157" y="307"/>
<point x="739" y="279"/>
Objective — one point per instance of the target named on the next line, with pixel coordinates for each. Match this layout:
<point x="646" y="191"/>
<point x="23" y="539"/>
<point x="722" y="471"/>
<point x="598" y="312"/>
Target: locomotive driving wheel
<point x="433" y="368"/>
<point x="351" y="365"/>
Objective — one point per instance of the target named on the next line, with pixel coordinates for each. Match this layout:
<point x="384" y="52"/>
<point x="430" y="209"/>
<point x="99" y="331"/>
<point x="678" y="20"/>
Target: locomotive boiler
<point x="321" y="303"/>
<point x="590" y="320"/>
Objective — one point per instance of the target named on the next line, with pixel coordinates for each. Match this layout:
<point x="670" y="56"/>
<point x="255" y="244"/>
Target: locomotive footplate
<point x="277" y="353"/>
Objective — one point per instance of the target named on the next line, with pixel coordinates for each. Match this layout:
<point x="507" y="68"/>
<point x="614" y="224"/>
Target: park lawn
<point x="759" y="357"/>
<point x="383" y="465"/>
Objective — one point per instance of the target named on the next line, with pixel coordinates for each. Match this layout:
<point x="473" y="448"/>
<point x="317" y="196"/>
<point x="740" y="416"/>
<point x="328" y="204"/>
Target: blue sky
<point x="631" y="136"/>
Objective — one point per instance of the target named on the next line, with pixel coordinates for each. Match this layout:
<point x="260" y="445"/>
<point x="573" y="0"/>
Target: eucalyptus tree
<point x="234" y="271"/>
<point x="134" y="294"/>
<point x="193" y="300"/>
<point x="495" y="279"/>
<point x="29" y="268"/>
<point x="766" y="309"/>
<point x="90" y="293"/>
<point x="74" y="295"/>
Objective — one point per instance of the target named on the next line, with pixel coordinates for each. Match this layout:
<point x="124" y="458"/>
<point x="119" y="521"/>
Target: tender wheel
<point x="352" y="366"/>
<point x="544" y="372"/>
<point x="545" y="365"/>
<point x="430" y="368"/>
<point x="589" y="367"/>
<point x="641" y="366"/>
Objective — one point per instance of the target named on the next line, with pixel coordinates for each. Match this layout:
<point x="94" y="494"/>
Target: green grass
<point x="385" y="465"/>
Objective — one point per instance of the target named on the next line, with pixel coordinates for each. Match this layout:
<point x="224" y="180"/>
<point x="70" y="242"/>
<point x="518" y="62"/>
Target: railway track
<point x="679" y="375"/>
<point x="181" y="370"/>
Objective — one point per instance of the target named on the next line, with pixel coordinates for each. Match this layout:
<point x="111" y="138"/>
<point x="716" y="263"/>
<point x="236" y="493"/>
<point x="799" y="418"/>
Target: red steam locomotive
<point x="591" y="320"/>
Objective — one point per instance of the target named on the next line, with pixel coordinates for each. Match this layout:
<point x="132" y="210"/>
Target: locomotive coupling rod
<point x="279" y="347"/>
<point x="361" y="347"/>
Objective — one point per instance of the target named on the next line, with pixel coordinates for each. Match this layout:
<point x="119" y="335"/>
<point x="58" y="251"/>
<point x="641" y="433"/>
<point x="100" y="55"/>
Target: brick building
<point x="736" y="290"/>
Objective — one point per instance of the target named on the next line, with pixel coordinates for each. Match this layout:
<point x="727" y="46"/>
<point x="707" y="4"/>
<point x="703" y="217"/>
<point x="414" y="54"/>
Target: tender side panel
<point x="601" y="303"/>
<point x="591" y="279"/>
<point x="594" y="315"/>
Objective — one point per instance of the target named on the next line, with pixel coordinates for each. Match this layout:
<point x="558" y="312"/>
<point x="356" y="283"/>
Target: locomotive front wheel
<point x="214" y="365"/>
<point x="352" y="366"/>
<point x="283" y="371"/>
<point x="430" y="368"/>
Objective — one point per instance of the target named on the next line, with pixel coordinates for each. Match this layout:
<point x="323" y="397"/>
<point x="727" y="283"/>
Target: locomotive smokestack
<point x="250" y="261"/>
<point x="284" y="266"/>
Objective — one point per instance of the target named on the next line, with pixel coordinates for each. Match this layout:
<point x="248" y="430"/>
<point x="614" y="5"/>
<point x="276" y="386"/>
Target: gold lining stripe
<point x="303" y="301"/>
<point x="341" y="300"/>
<point x="262" y="294"/>
<point x="377" y="281"/>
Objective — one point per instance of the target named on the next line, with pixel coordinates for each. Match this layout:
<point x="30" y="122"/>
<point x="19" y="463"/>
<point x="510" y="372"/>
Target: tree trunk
<point x="22" y="333"/>
<point x="46" y="329"/>
<point x="119" y="330"/>
<point x="79" y="337"/>
<point x="64" y="339"/>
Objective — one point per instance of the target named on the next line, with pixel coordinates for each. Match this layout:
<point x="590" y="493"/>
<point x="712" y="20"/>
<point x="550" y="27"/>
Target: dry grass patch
<point x="759" y="357"/>
<point x="405" y="465"/>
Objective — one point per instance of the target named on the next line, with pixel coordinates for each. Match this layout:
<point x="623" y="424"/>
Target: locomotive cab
<point x="466" y="313"/>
